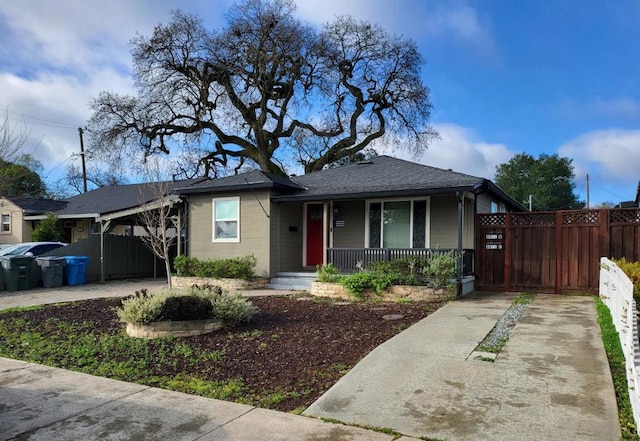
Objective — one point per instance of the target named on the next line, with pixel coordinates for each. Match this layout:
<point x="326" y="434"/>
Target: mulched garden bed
<point x="289" y="355"/>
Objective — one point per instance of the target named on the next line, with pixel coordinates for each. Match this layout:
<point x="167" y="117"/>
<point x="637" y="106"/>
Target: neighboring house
<point x="15" y="213"/>
<point x="111" y="209"/>
<point x="375" y="209"/>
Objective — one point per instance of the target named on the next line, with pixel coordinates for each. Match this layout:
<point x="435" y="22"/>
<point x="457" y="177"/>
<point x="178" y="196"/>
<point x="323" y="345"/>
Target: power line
<point x="44" y="122"/>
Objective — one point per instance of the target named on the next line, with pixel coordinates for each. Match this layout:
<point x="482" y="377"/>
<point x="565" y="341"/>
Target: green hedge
<point x="233" y="268"/>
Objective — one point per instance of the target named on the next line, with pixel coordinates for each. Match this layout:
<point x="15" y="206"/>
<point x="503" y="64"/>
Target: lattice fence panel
<point x="624" y="216"/>
<point x="493" y="220"/>
<point x="533" y="219"/>
<point x="581" y="217"/>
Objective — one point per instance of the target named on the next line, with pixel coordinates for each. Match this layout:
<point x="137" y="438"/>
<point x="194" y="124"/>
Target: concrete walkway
<point x="551" y="382"/>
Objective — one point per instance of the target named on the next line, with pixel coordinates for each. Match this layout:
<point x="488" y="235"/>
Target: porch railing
<point x="347" y="260"/>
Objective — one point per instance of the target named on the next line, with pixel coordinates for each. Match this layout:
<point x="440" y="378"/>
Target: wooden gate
<point x="552" y="251"/>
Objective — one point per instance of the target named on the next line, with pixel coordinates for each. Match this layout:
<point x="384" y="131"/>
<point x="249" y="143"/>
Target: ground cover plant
<point x="617" y="364"/>
<point x="435" y="271"/>
<point x="291" y="352"/>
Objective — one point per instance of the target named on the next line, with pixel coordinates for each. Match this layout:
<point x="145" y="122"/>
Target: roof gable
<point x="37" y="205"/>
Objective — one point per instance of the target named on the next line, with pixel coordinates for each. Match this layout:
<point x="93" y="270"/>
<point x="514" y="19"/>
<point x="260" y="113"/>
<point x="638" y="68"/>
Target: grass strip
<point x="618" y="368"/>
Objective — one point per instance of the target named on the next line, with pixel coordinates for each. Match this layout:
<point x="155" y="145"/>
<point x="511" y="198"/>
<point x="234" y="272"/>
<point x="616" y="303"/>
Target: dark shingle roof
<point x="382" y="175"/>
<point x="115" y="198"/>
<point x="243" y="181"/>
<point x="37" y="205"/>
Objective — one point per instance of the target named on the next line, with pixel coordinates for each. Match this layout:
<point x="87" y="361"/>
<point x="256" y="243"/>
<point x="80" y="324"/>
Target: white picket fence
<point x="616" y="291"/>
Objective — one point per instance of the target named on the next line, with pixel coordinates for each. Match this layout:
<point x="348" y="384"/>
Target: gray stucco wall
<point x="286" y="237"/>
<point x="254" y="229"/>
<point x="351" y="235"/>
<point x="444" y="222"/>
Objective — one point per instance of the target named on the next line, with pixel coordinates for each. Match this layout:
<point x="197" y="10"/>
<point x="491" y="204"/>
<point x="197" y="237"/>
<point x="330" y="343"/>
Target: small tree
<point x="156" y="216"/>
<point x="48" y="230"/>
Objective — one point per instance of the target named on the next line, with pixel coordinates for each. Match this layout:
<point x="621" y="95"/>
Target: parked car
<point x="31" y="248"/>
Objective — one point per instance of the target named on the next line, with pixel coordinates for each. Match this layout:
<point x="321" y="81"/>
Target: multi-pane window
<point x="226" y="219"/>
<point x="398" y="224"/>
<point x="5" y="225"/>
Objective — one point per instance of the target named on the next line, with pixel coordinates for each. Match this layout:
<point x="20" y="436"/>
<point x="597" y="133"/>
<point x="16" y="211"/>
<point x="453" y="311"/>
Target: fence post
<point x="507" y="250"/>
<point x="559" y="215"/>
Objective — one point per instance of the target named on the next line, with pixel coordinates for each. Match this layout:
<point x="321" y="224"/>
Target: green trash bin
<point x="17" y="272"/>
<point x="52" y="268"/>
<point x="2" y="286"/>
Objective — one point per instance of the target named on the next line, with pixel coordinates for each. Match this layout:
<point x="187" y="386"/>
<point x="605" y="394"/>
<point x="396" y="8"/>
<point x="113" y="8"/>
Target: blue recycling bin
<point x="76" y="270"/>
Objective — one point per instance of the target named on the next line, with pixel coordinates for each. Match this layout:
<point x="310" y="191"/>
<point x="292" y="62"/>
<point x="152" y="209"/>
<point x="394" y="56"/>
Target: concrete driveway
<point x="551" y="381"/>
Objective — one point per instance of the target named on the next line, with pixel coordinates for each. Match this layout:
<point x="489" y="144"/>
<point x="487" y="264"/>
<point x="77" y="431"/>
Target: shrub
<point x="185" y="265"/>
<point x="143" y="308"/>
<point x="632" y="270"/>
<point x="440" y="269"/>
<point x="187" y="307"/>
<point x="232" y="268"/>
<point x="327" y="273"/>
<point x="47" y="230"/>
<point x="230" y="309"/>
<point x="197" y="303"/>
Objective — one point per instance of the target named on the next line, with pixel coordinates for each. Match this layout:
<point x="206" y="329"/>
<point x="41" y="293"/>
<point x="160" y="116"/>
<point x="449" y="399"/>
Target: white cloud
<point x="623" y="108"/>
<point x="613" y="154"/>
<point x="444" y="21"/>
<point x="459" y="149"/>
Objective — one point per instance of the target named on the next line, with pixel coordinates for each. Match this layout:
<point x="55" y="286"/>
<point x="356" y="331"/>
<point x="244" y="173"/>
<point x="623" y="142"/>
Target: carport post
<point x="104" y="226"/>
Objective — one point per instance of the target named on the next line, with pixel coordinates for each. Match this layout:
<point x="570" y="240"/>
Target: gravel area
<point x="501" y="331"/>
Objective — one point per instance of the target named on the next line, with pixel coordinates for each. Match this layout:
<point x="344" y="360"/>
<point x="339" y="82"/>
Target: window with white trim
<point x="5" y="225"/>
<point x="226" y="219"/>
<point x="398" y="224"/>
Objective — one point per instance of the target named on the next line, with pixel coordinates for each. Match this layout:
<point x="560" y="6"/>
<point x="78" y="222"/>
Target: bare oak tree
<point x="266" y="88"/>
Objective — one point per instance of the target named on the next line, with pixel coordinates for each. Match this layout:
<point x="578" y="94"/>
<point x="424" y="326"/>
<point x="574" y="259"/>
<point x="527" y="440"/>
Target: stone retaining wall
<point x="168" y="328"/>
<point x="393" y="293"/>
<point x="226" y="284"/>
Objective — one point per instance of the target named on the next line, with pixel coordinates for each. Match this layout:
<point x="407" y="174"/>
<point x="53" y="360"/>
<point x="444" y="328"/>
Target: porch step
<point x="292" y="281"/>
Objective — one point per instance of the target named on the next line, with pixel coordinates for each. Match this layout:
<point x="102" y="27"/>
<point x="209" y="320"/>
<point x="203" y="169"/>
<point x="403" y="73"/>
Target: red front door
<point x="314" y="234"/>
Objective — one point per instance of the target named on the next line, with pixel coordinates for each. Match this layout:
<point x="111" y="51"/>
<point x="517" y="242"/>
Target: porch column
<point x="104" y="226"/>
<point x="459" y="259"/>
<point x="325" y="231"/>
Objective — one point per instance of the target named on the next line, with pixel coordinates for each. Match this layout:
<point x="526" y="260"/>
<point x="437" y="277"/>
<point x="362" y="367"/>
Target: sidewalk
<point x="44" y="296"/>
<point x="41" y="403"/>
<point x="550" y="382"/>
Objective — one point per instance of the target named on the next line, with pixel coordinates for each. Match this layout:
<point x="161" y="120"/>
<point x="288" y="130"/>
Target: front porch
<point x="350" y="260"/>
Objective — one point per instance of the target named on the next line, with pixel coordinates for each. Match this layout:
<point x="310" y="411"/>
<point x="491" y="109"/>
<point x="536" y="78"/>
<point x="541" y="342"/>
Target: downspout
<point x="459" y="262"/>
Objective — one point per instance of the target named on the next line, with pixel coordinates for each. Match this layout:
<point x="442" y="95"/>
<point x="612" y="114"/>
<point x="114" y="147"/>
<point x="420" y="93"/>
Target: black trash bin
<point x="17" y="272"/>
<point x="52" y="268"/>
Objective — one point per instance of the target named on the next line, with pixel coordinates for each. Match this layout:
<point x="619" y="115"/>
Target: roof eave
<point x="372" y="194"/>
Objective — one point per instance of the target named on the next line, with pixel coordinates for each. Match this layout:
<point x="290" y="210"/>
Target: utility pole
<point x="530" y="203"/>
<point x="84" y="166"/>
<point x="588" y="191"/>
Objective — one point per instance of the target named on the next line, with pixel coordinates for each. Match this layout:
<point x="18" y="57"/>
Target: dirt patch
<point x="292" y="349"/>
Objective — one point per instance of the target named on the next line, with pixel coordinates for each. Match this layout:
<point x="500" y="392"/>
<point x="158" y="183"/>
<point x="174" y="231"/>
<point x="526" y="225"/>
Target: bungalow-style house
<point x="15" y="212"/>
<point x="382" y="208"/>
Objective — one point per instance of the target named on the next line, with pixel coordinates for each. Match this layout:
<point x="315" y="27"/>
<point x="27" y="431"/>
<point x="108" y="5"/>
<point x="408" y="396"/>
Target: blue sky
<point x="505" y="77"/>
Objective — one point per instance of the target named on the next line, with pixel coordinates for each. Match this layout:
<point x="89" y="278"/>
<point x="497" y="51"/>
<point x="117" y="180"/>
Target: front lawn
<point x="289" y="355"/>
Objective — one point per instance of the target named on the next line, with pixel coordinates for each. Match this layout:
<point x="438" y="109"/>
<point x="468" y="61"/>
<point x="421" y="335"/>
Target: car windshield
<point x="14" y="250"/>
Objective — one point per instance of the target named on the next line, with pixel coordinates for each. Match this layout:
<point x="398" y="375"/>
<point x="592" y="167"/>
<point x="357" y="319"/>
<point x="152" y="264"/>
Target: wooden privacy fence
<point x="124" y="257"/>
<point x="552" y="251"/>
